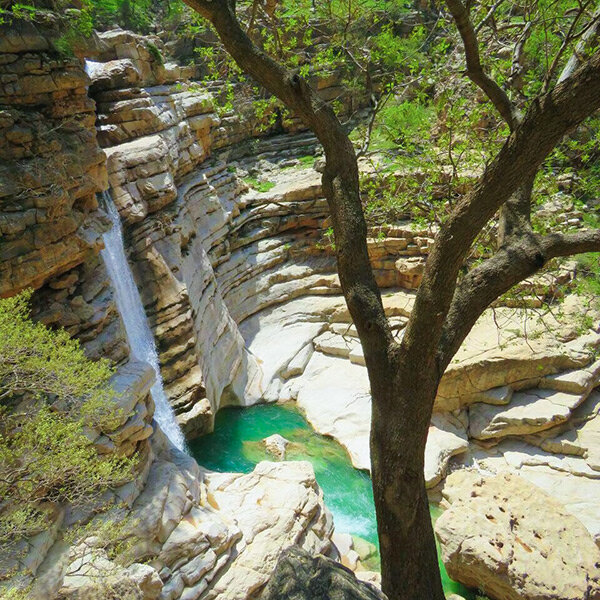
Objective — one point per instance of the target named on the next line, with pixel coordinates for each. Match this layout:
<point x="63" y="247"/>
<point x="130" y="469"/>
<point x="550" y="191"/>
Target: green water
<point x="235" y="446"/>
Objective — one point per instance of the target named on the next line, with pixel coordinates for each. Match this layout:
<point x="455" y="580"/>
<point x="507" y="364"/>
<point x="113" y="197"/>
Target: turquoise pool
<point x="235" y="446"/>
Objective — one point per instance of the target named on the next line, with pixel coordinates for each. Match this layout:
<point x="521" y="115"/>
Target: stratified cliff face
<point x="51" y="166"/>
<point x="207" y="252"/>
<point x="51" y="169"/>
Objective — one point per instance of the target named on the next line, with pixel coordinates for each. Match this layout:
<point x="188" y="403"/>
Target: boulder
<point x="276" y="445"/>
<point x="510" y="539"/>
<point x="276" y="506"/>
<point x="299" y="576"/>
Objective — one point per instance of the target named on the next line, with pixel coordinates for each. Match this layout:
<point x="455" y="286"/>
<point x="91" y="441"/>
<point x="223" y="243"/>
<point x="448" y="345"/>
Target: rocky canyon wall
<point x="225" y="226"/>
<point x="207" y="252"/>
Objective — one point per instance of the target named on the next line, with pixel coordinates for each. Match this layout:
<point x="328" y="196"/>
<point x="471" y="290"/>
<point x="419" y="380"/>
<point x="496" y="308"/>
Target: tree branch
<point x="488" y="16"/>
<point x="587" y="38"/>
<point x="515" y="214"/>
<point x="567" y="244"/>
<point x="494" y="277"/>
<point x="516" y="68"/>
<point x="252" y="17"/>
<point x="475" y="71"/>
<point x="568" y="38"/>
<point x="548" y="119"/>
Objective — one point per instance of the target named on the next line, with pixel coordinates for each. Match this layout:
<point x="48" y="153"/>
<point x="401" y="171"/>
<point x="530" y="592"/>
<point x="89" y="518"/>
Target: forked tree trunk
<point x="404" y="377"/>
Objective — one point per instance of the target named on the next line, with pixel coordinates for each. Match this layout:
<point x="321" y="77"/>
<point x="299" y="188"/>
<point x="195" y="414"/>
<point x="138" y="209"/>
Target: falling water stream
<point x="131" y="309"/>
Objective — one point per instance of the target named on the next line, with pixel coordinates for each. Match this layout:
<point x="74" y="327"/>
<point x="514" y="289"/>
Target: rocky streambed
<point x="238" y="444"/>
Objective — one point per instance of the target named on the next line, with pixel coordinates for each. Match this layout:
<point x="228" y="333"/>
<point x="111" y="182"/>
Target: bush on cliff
<point x="52" y="398"/>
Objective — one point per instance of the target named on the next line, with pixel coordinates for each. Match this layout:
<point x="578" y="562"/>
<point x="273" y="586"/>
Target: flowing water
<point x="92" y="67"/>
<point x="131" y="309"/>
<point x="235" y="446"/>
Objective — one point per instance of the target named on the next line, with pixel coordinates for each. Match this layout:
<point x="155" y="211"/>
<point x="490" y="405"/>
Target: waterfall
<point x="131" y="309"/>
<point x="92" y="67"/>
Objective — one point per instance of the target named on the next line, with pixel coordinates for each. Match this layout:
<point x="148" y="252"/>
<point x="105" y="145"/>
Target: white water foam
<point x="92" y="67"/>
<point x="131" y="309"/>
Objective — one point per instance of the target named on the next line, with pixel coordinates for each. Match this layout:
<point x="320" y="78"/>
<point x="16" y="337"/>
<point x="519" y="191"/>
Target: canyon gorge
<point x="225" y="294"/>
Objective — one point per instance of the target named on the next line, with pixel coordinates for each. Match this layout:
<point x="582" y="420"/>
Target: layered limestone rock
<point x="51" y="169"/>
<point x="208" y="252"/>
<point x="156" y="134"/>
<point x="51" y="238"/>
<point x="513" y="541"/>
<point x="51" y="166"/>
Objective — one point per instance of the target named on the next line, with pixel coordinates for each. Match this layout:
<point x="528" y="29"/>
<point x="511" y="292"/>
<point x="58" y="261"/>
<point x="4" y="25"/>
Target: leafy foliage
<point x="260" y="186"/>
<point x="51" y="398"/>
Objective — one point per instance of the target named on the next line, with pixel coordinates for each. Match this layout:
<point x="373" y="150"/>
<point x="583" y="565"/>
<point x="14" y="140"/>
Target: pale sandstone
<point x="515" y="542"/>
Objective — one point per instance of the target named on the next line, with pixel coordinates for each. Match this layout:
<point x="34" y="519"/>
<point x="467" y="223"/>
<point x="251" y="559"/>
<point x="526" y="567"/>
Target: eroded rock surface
<point x="514" y="542"/>
<point x="300" y="576"/>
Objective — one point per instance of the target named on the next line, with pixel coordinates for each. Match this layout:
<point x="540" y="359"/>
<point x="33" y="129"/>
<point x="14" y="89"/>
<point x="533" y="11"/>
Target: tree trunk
<point x="401" y="411"/>
<point x="515" y="214"/>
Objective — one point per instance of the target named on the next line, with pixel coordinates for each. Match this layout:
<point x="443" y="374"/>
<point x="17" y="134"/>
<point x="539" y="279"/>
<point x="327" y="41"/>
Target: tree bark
<point x="515" y="214"/>
<point x="409" y="565"/>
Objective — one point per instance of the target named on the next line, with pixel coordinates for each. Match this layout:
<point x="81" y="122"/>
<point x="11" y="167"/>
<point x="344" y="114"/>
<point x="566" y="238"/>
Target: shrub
<point x="51" y="396"/>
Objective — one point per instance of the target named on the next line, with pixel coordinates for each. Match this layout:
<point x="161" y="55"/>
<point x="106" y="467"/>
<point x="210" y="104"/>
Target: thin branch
<point x="567" y="40"/>
<point x="495" y="276"/>
<point x="475" y="71"/>
<point x="590" y="34"/>
<point x="378" y="105"/>
<point x="488" y="16"/>
<point x="252" y="16"/>
<point x="517" y="68"/>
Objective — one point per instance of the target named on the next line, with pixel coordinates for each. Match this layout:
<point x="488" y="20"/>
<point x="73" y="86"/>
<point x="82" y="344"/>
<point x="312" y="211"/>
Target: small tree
<point x="51" y="396"/>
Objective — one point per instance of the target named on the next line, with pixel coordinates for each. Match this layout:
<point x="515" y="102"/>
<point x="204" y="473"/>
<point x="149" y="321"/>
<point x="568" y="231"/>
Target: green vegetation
<point x="307" y="161"/>
<point x="155" y="53"/>
<point x="589" y="269"/>
<point x="328" y="240"/>
<point x="51" y="397"/>
<point x="259" y="186"/>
